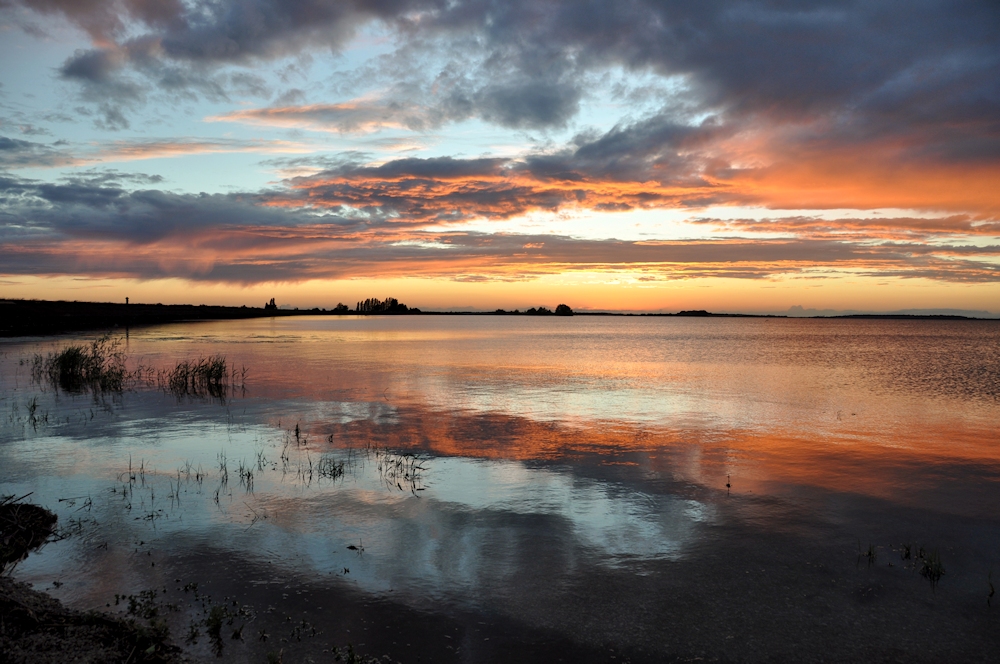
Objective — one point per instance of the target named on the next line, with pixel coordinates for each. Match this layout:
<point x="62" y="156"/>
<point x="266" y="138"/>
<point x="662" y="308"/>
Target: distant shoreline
<point x="20" y="318"/>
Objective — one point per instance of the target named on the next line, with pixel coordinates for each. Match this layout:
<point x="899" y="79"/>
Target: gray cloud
<point x="18" y="153"/>
<point x="94" y="66"/>
<point x="869" y="69"/>
<point x="96" y="224"/>
<point x="98" y="206"/>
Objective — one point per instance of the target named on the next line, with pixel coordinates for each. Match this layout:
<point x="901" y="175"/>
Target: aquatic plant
<point x="100" y="367"/>
<point x="932" y="568"/>
<point x="349" y="656"/>
<point x="213" y="626"/>
<point x="246" y="476"/>
<point x="397" y="469"/>
<point x="871" y="554"/>
<point x="207" y="376"/>
<point x="329" y="467"/>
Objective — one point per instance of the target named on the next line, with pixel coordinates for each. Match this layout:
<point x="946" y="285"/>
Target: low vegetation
<point x="204" y="377"/>
<point x="100" y="367"/>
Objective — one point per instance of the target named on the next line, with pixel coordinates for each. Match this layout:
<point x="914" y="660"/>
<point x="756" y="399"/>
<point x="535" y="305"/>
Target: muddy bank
<point x="39" y="629"/>
<point x="36" y="628"/>
<point x="23" y="527"/>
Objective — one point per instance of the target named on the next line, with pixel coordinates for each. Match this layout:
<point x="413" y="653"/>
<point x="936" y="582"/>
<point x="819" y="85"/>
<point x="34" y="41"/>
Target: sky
<point x="634" y="155"/>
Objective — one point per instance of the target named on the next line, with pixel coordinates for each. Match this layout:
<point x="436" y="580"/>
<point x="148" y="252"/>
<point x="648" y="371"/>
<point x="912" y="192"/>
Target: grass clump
<point x="330" y="468"/>
<point x="99" y="367"/>
<point x="207" y="376"/>
<point x="932" y="568"/>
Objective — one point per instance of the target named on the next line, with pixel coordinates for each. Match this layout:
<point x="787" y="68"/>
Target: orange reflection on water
<point x="939" y="463"/>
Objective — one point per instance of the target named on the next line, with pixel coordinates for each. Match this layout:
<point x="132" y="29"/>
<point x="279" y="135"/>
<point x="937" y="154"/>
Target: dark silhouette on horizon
<point x="564" y="310"/>
<point x="389" y="305"/>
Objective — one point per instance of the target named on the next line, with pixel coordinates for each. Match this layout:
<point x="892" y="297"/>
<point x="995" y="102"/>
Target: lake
<point x="490" y="488"/>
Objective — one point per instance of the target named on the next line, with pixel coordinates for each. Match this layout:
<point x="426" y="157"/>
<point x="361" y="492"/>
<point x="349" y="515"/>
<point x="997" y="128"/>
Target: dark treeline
<point x="561" y="310"/>
<point x="389" y="305"/>
<point x="43" y="317"/>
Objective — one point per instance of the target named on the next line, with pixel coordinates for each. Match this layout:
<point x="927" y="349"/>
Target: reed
<point x="330" y="468"/>
<point x="403" y="471"/>
<point x="932" y="568"/>
<point x="100" y="367"/>
<point x="207" y="376"/>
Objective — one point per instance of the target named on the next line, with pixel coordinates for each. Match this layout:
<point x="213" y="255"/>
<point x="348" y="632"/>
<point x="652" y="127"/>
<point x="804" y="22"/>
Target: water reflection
<point x="554" y="454"/>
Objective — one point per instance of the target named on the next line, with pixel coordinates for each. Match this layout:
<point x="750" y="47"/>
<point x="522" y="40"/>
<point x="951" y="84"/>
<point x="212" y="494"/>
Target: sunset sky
<point x="628" y="155"/>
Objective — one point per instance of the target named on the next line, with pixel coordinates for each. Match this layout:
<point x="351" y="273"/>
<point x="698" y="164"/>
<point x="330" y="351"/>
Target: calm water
<point x="570" y="500"/>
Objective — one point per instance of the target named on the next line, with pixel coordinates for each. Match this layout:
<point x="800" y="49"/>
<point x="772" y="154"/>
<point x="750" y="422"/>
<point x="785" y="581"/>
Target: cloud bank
<point x="787" y="106"/>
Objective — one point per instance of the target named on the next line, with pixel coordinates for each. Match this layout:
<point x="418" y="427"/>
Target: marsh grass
<point x="871" y="554"/>
<point x="99" y="367"/>
<point x="103" y="367"/>
<point x="330" y="468"/>
<point x="246" y="475"/>
<point x="402" y="471"/>
<point x="208" y="376"/>
<point x="349" y="656"/>
<point x="931" y="568"/>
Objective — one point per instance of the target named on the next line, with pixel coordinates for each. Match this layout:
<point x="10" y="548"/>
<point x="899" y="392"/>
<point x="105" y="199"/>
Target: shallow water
<point x="571" y="495"/>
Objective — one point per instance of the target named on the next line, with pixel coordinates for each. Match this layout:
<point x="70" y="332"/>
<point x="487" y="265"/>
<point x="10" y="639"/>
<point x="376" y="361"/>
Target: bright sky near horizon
<point x="628" y="155"/>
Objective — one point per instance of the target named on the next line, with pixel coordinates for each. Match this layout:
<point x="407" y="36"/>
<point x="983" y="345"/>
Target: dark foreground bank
<point x="37" y="629"/>
<point x="40" y="317"/>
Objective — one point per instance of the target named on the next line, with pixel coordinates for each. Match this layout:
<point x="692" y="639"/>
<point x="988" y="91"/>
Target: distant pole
<point x="126" y="300"/>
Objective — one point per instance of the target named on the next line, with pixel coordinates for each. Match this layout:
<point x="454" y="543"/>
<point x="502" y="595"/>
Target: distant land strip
<point x="44" y="317"/>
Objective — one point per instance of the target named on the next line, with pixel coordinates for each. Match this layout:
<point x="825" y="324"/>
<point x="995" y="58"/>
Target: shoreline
<point x="39" y="628"/>
<point x="27" y="318"/>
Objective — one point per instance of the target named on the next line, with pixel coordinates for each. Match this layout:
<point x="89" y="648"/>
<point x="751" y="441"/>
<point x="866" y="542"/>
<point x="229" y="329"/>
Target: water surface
<point x="571" y="496"/>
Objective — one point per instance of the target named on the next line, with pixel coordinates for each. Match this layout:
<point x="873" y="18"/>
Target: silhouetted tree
<point x="564" y="310"/>
<point x="270" y="306"/>
<point x="374" y="305"/>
